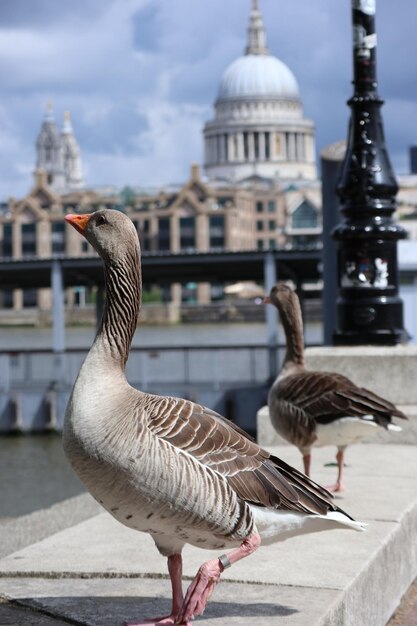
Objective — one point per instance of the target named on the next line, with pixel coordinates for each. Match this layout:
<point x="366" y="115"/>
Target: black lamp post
<point x="369" y="310"/>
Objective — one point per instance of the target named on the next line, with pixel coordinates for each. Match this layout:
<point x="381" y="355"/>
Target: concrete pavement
<point x="94" y="572"/>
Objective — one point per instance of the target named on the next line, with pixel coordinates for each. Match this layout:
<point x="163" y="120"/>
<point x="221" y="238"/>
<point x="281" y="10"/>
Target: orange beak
<point x="78" y="221"/>
<point x="267" y="300"/>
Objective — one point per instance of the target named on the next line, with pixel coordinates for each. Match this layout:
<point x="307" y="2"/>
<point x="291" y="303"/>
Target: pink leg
<point x="307" y="463"/>
<point x="339" y="486"/>
<point x="175" y="573"/>
<point x="208" y="575"/>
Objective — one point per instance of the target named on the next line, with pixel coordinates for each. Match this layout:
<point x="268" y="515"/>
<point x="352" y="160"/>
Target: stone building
<point x="259" y="128"/>
<point x="196" y="216"/>
<point x="260" y="190"/>
<point x="58" y="154"/>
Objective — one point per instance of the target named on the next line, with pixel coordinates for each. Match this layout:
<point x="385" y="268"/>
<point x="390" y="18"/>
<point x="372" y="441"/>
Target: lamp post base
<point x="376" y="338"/>
<point x="370" y="320"/>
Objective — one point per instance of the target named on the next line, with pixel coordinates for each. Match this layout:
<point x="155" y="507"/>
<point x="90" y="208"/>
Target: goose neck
<point x="121" y="309"/>
<point x="292" y="322"/>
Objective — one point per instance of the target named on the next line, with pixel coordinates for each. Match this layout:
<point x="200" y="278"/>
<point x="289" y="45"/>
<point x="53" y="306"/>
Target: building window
<point x="272" y="224"/>
<point x="85" y="247"/>
<point x="272" y="244"/>
<point x="29" y="239"/>
<point x="8" y="298"/>
<point x="58" y="237"/>
<point x="267" y="146"/>
<point x="246" y="146"/>
<point x="226" y="147"/>
<point x="305" y="216"/>
<point x="271" y="206"/>
<point x="224" y="200"/>
<point x="187" y="233"/>
<point x="216" y="292"/>
<point x="30" y="298"/>
<point x="142" y="229"/>
<point x="260" y="244"/>
<point x="235" y="147"/>
<point x="7" y="241"/>
<point x="259" y="207"/>
<point x="301" y="241"/>
<point x="216" y="225"/>
<point x="189" y="293"/>
<point x="256" y="144"/>
<point x="164" y="233"/>
<point x="259" y="225"/>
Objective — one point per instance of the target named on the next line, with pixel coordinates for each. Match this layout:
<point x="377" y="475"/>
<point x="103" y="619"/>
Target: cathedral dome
<point x="258" y="75"/>
<point x="259" y="128"/>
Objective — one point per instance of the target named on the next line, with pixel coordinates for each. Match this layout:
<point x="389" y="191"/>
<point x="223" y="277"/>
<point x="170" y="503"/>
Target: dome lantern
<point x="256" y="32"/>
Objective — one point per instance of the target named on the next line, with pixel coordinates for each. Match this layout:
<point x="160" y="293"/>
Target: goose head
<point x="111" y="233"/>
<point x="281" y="296"/>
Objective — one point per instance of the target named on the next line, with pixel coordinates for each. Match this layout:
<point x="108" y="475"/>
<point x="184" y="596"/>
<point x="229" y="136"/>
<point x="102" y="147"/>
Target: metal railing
<point x="35" y="384"/>
<point x="215" y="366"/>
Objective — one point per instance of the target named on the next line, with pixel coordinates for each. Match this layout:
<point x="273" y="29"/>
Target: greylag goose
<point x="167" y="466"/>
<point x="313" y="408"/>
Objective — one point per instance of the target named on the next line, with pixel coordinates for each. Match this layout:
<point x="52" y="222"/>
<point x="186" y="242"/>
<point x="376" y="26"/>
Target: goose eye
<point x="101" y="220"/>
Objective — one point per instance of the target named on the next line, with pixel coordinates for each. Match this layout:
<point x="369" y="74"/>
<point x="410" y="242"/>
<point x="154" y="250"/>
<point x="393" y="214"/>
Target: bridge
<point x="36" y="272"/>
<point x="35" y="385"/>
<point x="60" y="271"/>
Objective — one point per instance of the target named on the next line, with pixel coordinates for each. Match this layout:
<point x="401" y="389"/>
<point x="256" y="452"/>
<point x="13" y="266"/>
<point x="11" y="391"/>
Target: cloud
<point x="16" y="162"/>
<point x="140" y="77"/>
<point x="172" y="129"/>
<point x="87" y="52"/>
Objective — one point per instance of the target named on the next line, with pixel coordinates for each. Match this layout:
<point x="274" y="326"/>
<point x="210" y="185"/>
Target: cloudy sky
<point x="140" y="77"/>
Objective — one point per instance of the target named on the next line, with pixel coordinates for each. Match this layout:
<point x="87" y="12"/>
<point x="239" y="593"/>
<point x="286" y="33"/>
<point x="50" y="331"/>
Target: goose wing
<point x="323" y="397"/>
<point x="290" y="419"/>
<point x="255" y="475"/>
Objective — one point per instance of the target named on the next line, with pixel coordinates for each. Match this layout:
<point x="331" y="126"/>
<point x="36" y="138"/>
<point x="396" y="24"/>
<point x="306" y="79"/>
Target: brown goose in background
<point x="313" y="408"/>
<point x="170" y="467"/>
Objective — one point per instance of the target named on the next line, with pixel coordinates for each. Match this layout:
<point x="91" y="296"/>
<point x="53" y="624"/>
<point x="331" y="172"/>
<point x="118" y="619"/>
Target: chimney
<point x="195" y="172"/>
<point x="40" y="178"/>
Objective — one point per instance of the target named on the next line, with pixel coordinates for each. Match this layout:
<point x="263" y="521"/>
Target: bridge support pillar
<point x="270" y="279"/>
<point x="58" y="322"/>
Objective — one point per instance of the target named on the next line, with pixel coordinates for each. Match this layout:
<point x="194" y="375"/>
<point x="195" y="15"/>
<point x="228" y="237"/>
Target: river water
<point x="34" y="473"/>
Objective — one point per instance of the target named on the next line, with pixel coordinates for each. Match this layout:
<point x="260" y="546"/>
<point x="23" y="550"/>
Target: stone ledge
<point x="335" y="578"/>
<point x="27" y="529"/>
<point x="267" y="436"/>
<point x="390" y="372"/>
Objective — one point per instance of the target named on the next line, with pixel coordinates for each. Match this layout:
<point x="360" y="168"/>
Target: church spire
<point x="67" y="126"/>
<point x="71" y="155"/>
<point x="256" y="32"/>
<point x="49" y="112"/>
<point x="48" y="150"/>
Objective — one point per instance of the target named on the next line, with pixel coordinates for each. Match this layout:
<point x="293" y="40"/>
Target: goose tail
<point x="341" y="520"/>
<point x="274" y="525"/>
<point x="395" y="428"/>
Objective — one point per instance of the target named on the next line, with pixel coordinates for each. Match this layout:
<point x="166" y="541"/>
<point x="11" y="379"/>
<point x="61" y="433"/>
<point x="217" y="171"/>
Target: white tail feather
<point x="276" y="525"/>
<point x="394" y="428"/>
